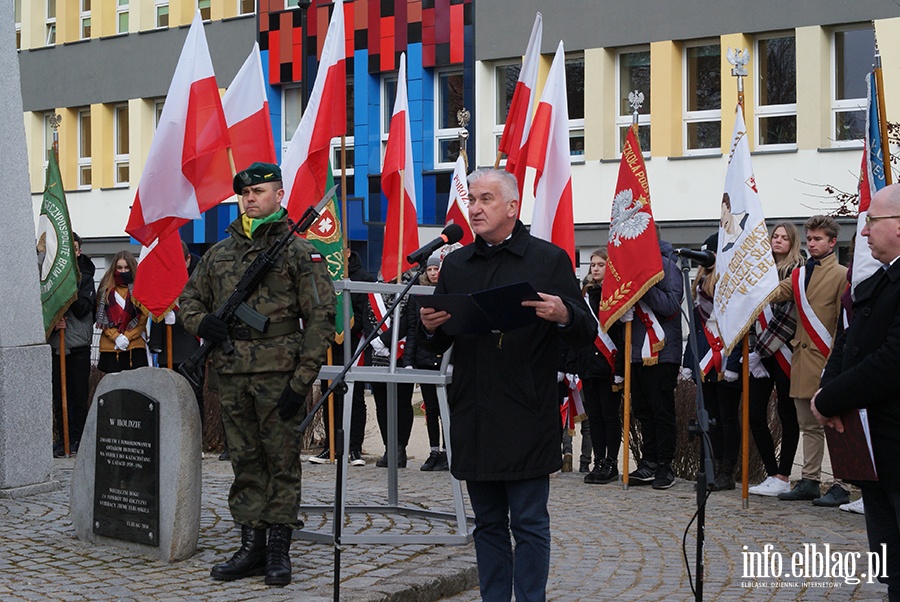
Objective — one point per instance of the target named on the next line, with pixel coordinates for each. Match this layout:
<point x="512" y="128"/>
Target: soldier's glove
<point x="213" y="329"/>
<point x="290" y="403"/>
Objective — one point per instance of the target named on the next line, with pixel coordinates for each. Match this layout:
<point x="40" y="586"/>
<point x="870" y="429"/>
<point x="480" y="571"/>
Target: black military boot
<point x="278" y="557"/>
<point x="248" y="561"/>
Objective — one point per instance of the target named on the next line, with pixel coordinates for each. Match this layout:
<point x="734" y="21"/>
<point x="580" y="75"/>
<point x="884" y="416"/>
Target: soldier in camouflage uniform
<point x="263" y="384"/>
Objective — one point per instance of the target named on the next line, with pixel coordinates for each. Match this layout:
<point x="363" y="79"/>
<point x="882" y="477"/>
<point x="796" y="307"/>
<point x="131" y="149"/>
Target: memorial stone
<point x="137" y="478"/>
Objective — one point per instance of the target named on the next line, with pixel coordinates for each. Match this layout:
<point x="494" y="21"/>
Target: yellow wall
<point x="813" y="88"/>
<point x="102" y="146"/>
<point x="666" y="100"/>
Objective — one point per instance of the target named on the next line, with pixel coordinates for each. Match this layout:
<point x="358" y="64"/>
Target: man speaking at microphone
<point x="505" y="428"/>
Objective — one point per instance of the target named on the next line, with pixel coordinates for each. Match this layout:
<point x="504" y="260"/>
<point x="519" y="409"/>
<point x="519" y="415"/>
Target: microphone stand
<point x="698" y="428"/>
<point x="339" y="384"/>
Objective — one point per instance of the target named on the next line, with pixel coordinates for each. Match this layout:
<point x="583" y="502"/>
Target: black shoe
<point x="356" y="459"/>
<point x="443" y="463"/>
<point x="665" y="476"/>
<point x="59" y="450"/>
<point x="804" y="490"/>
<point x="248" y="561"/>
<point x="608" y="472"/>
<point x="278" y="557"/>
<point x="322" y="457"/>
<point x="401" y="459"/>
<point x="225" y="456"/>
<point x="645" y="473"/>
<point x="437" y="460"/>
<point x="724" y="480"/>
<point x="584" y="466"/>
<point x="833" y="498"/>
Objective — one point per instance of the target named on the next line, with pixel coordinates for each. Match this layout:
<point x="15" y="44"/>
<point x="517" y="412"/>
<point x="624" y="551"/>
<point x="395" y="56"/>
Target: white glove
<point x="730" y="376"/>
<point x="122" y="342"/>
<point x="379" y="348"/>
<point x="560" y="376"/>
<point x="170" y="318"/>
<point x="756" y="367"/>
<point x="628" y="316"/>
<point x="618" y="380"/>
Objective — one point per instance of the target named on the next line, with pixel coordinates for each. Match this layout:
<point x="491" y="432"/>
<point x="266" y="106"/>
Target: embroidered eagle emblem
<point x="628" y="221"/>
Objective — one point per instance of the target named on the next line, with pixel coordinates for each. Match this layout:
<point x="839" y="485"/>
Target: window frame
<point x="84" y="161"/>
<point x="120" y="158"/>
<point x="84" y="19"/>
<point x="17" y="12"/>
<point x="240" y="8"/>
<point x="847" y="105"/>
<point x="576" y="126"/>
<point x="387" y="108"/>
<point x="624" y="121"/>
<point x="208" y="9"/>
<point x="288" y="132"/>
<point x="443" y="134"/>
<point x="761" y="111"/>
<point x="48" y="143"/>
<point x="49" y="23"/>
<point x="349" y="137"/>
<point x="700" y="116"/>
<point x="158" y="5"/>
<point x="122" y="9"/>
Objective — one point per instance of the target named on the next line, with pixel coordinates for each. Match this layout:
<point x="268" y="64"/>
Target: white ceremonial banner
<point x="744" y="262"/>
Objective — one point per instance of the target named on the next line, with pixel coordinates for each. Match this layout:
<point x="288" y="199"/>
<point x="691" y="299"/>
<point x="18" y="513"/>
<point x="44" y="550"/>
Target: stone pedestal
<point x="26" y="413"/>
<point x="177" y="456"/>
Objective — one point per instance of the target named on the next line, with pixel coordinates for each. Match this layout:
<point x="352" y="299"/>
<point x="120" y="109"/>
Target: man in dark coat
<point x="862" y="373"/>
<point x="505" y="428"/>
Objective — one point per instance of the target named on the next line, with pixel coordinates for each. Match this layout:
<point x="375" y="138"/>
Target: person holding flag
<point x="264" y="381"/>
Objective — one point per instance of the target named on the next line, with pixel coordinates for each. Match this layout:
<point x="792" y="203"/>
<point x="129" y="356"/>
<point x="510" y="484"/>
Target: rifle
<point x="235" y="307"/>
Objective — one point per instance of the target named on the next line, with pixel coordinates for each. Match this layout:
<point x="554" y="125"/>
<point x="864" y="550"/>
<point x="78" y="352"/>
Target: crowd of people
<point x="499" y="378"/>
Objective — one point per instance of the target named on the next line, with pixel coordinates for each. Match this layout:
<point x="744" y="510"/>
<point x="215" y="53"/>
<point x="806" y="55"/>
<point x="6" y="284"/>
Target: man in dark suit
<point x="862" y="373"/>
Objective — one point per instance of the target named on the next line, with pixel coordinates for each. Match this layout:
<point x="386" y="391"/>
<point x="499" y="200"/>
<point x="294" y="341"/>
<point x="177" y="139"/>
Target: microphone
<point x="451" y="234"/>
<point x="706" y="259"/>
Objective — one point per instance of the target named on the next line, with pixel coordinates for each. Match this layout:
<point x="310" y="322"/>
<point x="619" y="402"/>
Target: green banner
<point x="56" y="250"/>
<point x="327" y="236"/>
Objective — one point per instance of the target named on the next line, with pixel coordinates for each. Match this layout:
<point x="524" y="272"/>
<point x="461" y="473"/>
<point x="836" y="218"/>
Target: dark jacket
<point x="505" y="422"/>
<point x="80" y="315"/>
<point x="417" y="355"/>
<point x="862" y="369"/>
<point x="588" y="361"/>
<point x="664" y="298"/>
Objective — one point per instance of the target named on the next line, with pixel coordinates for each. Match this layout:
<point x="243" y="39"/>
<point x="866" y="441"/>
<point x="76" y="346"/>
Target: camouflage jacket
<point x="297" y="287"/>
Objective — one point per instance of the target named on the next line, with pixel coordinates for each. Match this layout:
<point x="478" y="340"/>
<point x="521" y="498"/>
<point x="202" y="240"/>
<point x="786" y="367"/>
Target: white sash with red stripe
<point x="654" y="337"/>
<point x="572" y="408"/>
<point x="713" y="357"/>
<point x="783" y="354"/>
<point x="602" y="342"/>
<point x="379" y="309"/>
<point x="808" y="318"/>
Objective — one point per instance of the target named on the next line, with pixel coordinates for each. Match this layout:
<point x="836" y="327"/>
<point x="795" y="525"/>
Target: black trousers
<point x="404" y="411"/>
<point x="760" y="393"/>
<point x="653" y="404"/>
<point x="357" y="415"/>
<point x="723" y="402"/>
<point x="78" y="374"/>
<point x="601" y="404"/>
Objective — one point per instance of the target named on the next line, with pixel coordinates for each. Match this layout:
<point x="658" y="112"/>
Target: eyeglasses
<point x="870" y="218"/>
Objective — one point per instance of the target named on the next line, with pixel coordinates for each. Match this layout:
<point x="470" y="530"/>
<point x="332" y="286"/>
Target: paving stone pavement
<point x="608" y="544"/>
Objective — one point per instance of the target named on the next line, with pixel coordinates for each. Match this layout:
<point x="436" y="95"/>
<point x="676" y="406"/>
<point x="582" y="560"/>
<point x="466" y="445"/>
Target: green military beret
<point x="256" y="174"/>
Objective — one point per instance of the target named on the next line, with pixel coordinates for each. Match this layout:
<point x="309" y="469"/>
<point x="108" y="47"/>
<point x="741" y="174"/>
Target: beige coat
<point x="828" y="283"/>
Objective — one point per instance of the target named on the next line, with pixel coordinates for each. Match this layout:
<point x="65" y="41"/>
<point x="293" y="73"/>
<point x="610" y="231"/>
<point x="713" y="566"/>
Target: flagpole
<point x="400" y="233"/>
<point x="169" y="359"/>
<point x="739" y="61"/>
<point x="240" y="200"/>
<point x="882" y="118"/>
<point x="498" y="159"/>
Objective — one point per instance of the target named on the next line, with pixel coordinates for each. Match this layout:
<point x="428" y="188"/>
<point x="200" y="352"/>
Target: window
<point x="505" y="79"/>
<point x="50" y="23"/>
<point x="388" y="96"/>
<point x="84" y="148"/>
<point x="336" y="163"/>
<point x="17" y="8"/>
<point x="633" y="67"/>
<point x="246" y="7"/>
<point x="702" y="99"/>
<point x="157" y="112"/>
<point x="120" y="143"/>
<point x="122" y="7"/>
<point x="449" y="101"/>
<point x="852" y="59"/>
<point x="291" y="3"/>
<point x="203" y="5"/>
<point x="85" y="19"/>
<point x="291" y="112"/>
<point x="575" y="92"/>
<point x="48" y="141"/>
<point x="162" y="13"/>
<point x="776" y="92"/>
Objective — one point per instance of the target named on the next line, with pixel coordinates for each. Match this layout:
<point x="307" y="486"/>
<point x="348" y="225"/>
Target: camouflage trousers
<point x="265" y="450"/>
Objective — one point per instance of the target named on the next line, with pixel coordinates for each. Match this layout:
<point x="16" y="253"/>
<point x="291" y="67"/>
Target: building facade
<point x="105" y="65"/>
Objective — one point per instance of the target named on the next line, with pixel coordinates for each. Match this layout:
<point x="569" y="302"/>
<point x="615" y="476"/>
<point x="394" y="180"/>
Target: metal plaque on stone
<point x="126" y="483"/>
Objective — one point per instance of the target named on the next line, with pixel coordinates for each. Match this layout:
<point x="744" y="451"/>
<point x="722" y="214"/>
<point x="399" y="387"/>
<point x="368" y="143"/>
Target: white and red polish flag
<point x="247" y="114"/>
<point x="187" y="170"/>
<point x="305" y="162"/>
<point x="162" y="276"/>
<point x="401" y="230"/>
<point x="458" y="205"/>
<point x="548" y="153"/>
<point x="514" y="140"/>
